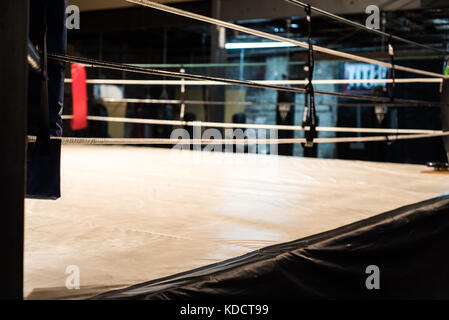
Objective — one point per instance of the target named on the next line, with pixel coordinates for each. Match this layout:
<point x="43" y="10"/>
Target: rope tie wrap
<point x="310" y="117"/>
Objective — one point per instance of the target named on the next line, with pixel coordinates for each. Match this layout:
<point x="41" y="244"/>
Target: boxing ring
<point x="132" y="214"/>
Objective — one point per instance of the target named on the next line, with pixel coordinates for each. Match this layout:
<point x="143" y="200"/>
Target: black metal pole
<point x="13" y="96"/>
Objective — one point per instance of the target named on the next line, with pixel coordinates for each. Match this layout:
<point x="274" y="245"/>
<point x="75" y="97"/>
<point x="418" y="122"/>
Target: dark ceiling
<point x="137" y="34"/>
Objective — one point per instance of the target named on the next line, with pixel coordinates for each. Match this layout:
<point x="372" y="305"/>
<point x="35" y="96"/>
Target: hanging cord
<point x="309" y="117"/>
<point x="393" y="77"/>
<point x="43" y="135"/>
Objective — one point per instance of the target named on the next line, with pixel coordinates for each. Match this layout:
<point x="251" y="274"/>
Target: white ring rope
<point x="232" y="26"/>
<point x="255" y="126"/>
<point x="165" y="141"/>
<point x="168" y="101"/>
<point x="243" y="103"/>
<point x="274" y="82"/>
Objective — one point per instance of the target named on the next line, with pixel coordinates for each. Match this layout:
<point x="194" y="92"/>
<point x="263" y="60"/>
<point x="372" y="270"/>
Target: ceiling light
<point x="257" y="45"/>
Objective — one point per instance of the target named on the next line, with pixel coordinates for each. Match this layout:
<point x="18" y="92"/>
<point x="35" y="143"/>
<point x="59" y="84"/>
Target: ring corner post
<point x="13" y="95"/>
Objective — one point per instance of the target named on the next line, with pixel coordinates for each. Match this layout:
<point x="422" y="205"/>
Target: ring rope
<point x="275" y="82"/>
<point x="166" y="141"/>
<point x="254" y="126"/>
<point x="130" y="68"/>
<point x="364" y="27"/>
<point x="252" y="103"/>
<point x="262" y="34"/>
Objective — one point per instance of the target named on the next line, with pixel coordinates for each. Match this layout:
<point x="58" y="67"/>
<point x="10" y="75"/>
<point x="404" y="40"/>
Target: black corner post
<point x="13" y="95"/>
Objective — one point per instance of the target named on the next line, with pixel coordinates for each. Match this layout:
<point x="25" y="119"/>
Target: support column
<point x="218" y="55"/>
<point x="13" y="96"/>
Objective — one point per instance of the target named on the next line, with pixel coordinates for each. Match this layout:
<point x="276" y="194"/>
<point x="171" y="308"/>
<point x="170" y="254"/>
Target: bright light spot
<point x="256" y="45"/>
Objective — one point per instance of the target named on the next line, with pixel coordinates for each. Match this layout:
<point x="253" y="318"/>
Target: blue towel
<point x="43" y="168"/>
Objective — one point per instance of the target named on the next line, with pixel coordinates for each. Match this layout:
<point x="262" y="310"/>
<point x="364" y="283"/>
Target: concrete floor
<point x="133" y="214"/>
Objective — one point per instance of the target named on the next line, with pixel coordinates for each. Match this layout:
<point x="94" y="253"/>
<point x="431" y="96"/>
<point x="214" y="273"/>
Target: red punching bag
<point x="79" y="94"/>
